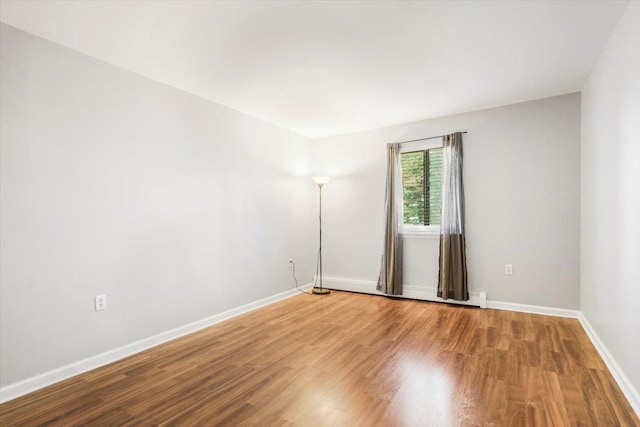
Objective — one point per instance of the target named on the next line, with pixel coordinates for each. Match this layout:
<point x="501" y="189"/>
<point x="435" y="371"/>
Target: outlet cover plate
<point x="100" y="302"/>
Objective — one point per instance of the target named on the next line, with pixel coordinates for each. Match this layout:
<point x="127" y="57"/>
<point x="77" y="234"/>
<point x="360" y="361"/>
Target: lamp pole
<point x="320" y="181"/>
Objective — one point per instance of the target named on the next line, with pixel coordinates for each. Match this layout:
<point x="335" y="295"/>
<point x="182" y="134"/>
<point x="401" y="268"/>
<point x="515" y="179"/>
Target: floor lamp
<point x="320" y="181"/>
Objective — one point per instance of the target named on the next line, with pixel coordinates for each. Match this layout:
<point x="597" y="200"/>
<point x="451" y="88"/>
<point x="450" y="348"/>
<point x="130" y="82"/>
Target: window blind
<point x="422" y="186"/>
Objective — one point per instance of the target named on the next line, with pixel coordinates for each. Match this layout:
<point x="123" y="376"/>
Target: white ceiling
<point x="324" y="68"/>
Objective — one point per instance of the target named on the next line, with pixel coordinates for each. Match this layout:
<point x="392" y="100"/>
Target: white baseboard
<point x="534" y="309"/>
<point x="623" y="381"/>
<point x="21" y="388"/>
<point x="478" y="299"/>
<point x="414" y="292"/>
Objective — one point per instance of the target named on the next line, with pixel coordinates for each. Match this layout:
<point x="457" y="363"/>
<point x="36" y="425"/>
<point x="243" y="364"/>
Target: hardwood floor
<point x="349" y="360"/>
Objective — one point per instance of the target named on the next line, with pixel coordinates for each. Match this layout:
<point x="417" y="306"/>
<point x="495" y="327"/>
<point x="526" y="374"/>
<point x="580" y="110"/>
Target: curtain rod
<point x="422" y="139"/>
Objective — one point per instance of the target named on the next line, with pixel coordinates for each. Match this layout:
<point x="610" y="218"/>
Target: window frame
<point x="413" y="230"/>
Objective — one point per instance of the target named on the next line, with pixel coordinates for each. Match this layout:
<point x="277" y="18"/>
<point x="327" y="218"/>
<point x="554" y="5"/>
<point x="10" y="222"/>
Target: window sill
<point x="420" y="235"/>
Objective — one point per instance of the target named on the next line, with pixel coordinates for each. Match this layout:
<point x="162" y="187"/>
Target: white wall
<point x="522" y="184"/>
<point x="175" y="207"/>
<point x="610" y="196"/>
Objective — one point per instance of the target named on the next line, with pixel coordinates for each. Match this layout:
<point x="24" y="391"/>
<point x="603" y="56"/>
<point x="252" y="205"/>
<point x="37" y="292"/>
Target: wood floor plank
<point x="348" y="360"/>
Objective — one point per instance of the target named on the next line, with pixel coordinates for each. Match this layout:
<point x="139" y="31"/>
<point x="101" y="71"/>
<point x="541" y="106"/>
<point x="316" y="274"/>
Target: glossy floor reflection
<point x="349" y="360"/>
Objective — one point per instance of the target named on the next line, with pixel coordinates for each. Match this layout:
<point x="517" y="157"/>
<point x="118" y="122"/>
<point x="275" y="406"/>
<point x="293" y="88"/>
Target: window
<point x="422" y="189"/>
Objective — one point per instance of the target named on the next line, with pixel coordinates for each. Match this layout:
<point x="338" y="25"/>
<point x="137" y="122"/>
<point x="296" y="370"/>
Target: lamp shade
<point x="320" y="180"/>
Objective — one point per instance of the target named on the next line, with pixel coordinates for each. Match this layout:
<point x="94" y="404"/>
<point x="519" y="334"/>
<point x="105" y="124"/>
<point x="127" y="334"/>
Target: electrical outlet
<point x="101" y="302"/>
<point x="508" y="269"/>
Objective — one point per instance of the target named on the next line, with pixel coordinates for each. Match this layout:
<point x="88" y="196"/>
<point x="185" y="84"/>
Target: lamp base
<point x="320" y="291"/>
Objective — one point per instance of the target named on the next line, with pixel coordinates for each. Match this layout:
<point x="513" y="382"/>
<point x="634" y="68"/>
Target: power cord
<point x="315" y="279"/>
<point x="293" y="273"/>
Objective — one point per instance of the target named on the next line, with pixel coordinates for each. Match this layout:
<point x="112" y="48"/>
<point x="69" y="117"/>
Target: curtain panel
<point x="390" y="278"/>
<point x="452" y="277"/>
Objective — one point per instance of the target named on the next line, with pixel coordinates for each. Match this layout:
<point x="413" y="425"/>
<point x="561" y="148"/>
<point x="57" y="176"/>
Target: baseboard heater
<point x="477" y="299"/>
